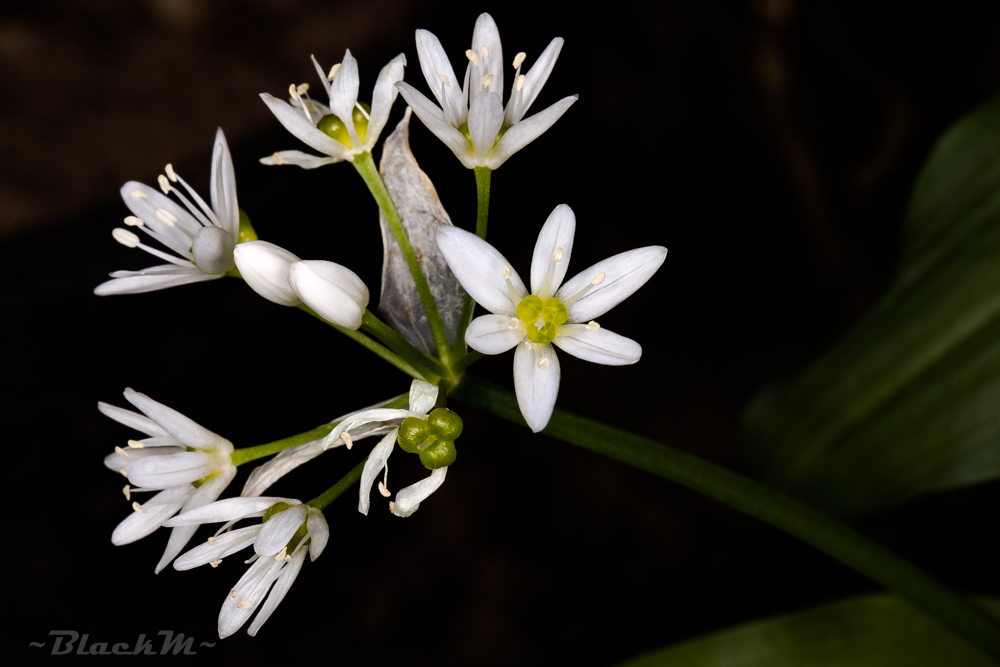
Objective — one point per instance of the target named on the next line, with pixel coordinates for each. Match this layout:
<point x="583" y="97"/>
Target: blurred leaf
<point x="873" y="631"/>
<point x="909" y="401"/>
<point x="421" y="213"/>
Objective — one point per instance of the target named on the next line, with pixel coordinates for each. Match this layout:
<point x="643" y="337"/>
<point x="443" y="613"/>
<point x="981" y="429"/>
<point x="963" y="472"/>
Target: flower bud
<point x="264" y="266"/>
<point x="333" y="291"/>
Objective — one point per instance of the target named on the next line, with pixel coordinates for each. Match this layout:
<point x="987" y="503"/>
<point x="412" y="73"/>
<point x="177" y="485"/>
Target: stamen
<point x="558" y="254"/>
<point x="357" y="105"/>
<point x="246" y="604"/>
<point x="165" y="216"/>
<point x="506" y="271"/>
<point x="384" y="491"/>
<point x="471" y="55"/>
<point x="164" y="184"/>
<point x="278" y="159"/>
<point x="540" y="322"/>
<point x="123" y="471"/>
<point x="233" y="593"/>
<point x="213" y="540"/>
<point x="293" y="92"/>
<point x="119" y="450"/>
<point x="513" y="323"/>
<point x="133" y="221"/>
<point x="302" y="89"/>
<point x="348" y="440"/>
<point x="282" y="553"/>
<point x="485" y="52"/>
<point x="136" y="444"/>
<point x="392" y="507"/>
<point x="518" y="59"/>
<point x="519" y="84"/>
<point x="251" y="559"/>
<point x="125" y="237"/>
<point x="488" y="79"/>
<point x="215" y="563"/>
<point x="444" y="78"/>
<point x="593" y="326"/>
<point x="201" y="204"/>
<point x="137" y="194"/>
<point x="288" y="559"/>
<point x="333" y="72"/>
<point x="137" y="507"/>
<point x="170" y="172"/>
<point x="543" y="363"/>
<point x="128" y="492"/>
<point x="598" y="279"/>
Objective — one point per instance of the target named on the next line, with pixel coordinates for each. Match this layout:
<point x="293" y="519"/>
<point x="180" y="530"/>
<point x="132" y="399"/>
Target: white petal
<point x="319" y="532"/>
<point x="493" y="334"/>
<point x="333" y="291"/>
<point x="277" y="594"/>
<point x="409" y="498"/>
<point x="522" y="134"/>
<point x="382" y="98"/>
<point x="264" y="266"/>
<point x="304" y="130"/>
<point x="204" y="494"/>
<point x="176" y="237"/>
<point x="159" y="270"/>
<point x="485" y="119"/>
<point x="228" y="509"/>
<point x="537" y="76"/>
<point x="161" y="472"/>
<point x="486" y="34"/>
<point x="213" y="250"/>
<point x="423" y="395"/>
<point x="116" y="461"/>
<point x="600" y="346"/>
<point x="479" y="267"/>
<point x="223" y="187"/>
<point x="299" y="159"/>
<point x="140" y="284"/>
<point x="177" y="425"/>
<point x="131" y="419"/>
<point x="432" y="117"/>
<point x="557" y="233"/>
<point x="433" y="63"/>
<point x="363" y="419"/>
<point x="265" y="475"/>
<point x="536" y="387"/>
<point x="158" y="508"/>
<point x="225" y="544"/>
<point x="623" y="274"/>
<point x="373" y="467"/>
<point x="279" y="529"/>
<point x="252" y="587"/>
<point x="344" y="90"/>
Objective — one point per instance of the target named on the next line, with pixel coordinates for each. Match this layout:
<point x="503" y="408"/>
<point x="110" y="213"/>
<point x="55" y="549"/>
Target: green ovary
<point x="333" y="127"/>
<point x="549" y="313"/>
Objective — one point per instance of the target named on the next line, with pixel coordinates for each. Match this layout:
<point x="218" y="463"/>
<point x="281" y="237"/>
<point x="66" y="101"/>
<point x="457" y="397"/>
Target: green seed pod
<point x="333" y="127"/>
<point x="438" y="455"/>
<point x="274" y="509"/>
<point x="413" y="432"/>
<point x="445" y="424"/>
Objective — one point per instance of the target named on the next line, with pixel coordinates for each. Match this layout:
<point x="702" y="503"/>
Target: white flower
<point x="280" y="543"/>
<point x="422" y="398"/>
<point x="551" y="314"/>
<point x="335" y="292"/>
<point x="264" y="266"/>
<point x="188" y="464"/>
<point x="203" y="236"/>
<point x="471" y="119"/>
<point x="323" y="127"/>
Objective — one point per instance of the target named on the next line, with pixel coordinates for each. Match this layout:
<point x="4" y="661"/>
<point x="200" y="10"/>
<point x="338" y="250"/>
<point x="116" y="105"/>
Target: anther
<point x="444" y="78"/>
<point x="519" y="84"/>
<point x="293" y="92"/>
<point x="119" y="450"/>
<point x="384" y="491"/>
<point x="487" y="80"/>
<point x="128" y="492"/>
<point x="558" y="254"/>
<point x="123" y="471"/>
<point x="138" y="508"/>
<point x="164" y="184"/>
<point x="333" y="72"/>
<point x="598" y="279"/>
<point x="215" y="563"/>
<point x="513" y="323"/>
<point x="137" y="194"/>
<point x="233" y="593"/>
<point x="392" y="507"/>
<point x="278" y="159"/>
<point x="170" y="173"/>
<point x="136" y="444"/>
<point x="543" y="363"/>
<point x="506" y="271"/>
<point x="302" y="89"/>
<point x="165" y="216"/>
<point x="282" y="553"/>
<point x="519" y="58"/>
<point x="133" y="221"/>
<point x="288" y="559"/>
<point x="246" y="604"/>
<point x="213" y="540"/>
<point x="485" y="52"/>
<point x="125" y="237"/>
<point x="471" y="55"/>
<point x="592" y="326"/>
<point x="348" y="440"/>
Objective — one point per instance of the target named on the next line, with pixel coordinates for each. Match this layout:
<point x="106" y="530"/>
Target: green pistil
<point x="432" y="438"/>
<point x="333" y="127"/>
<point x="549" y="314"/>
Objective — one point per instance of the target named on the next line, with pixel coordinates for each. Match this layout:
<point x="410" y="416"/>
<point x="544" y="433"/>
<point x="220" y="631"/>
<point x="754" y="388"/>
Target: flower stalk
<point x="483" y="175"/>
<point x="347" y="481"/>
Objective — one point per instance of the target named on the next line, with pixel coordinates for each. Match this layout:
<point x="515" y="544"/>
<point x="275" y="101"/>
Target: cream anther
<point x="137" y="194"/>
<point x="348" y="440"/>
<point x="293" y="91"/>
<point x="487" y="80"/>
<point x="384" y="491"/>
<point x="471" y="55"/>
<point x="543" y="363"/>
<point x="165" y="216"/>
<point x="333" y="72"/>
<point x="592" y="326"/>
<point x="518" y="59"/>
<point x="164" y="184"/>
<point x="278" y="159"/>
<point x="288" y="559"/>
<point x="506" y="271"/>
<point x="138" y="508"/>
<point x="170" y="173"/>
<point x="485" y="52"/>
<point x="123" y="471"/>
<point x="519" y="84"/>
<point x="119" y="450"/>
<point x="136" y="444"/>
<point x="513" y="323"/>
<point x="133" y="221"/>
<point x="282" y="553"/>
<point x="128" y="492"/>
<point x="125" y="237"/>
<point x="233" y="593"/>
<point x="213" y="540"/>
<point x="558" y="254"/>
<point x="246" y="604"/>
<point x="444" y="79"/>
<point x="392" y="507"/>
<point x="215" y="563"/>
<point x="598" y="279"/>
<point x="302" y="89"/>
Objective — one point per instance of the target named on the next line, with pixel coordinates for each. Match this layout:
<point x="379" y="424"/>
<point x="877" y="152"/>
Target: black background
<point x="770" y="146"/>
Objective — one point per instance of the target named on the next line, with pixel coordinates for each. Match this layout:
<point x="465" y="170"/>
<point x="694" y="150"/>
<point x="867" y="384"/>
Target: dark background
<point x="771" y="146"/>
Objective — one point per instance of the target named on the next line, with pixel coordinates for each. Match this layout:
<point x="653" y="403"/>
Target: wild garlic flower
<point x="471" y="119"/>
<point x="550" y="314"/>
<point x="189" y="465"/>
<point x="437" y="450"/>
<point x="323" y="127"/>
<point x="288" y="530"/>
<point x="202" y="236"/>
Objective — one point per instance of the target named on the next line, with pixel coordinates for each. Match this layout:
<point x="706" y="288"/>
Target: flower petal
<point x="284" y="581"/>
<point x="373" y="466"/>
<point x="556" y="235"/>
<point x="409" y="498"/>
<point x="305" y="131"/>
<point x="177" y="425"/>
<point x="623" y="275"/>
<point x="213" y="250"/>
<point x="433" y="63"/>
<point x="486" y="34"/>
<point x="479" y="267"/>
<point x="161" y="472"/>
<point x="158" y="508"/>
<point x="204" y="494"/>
<point x="335" y="292"/>
<point x="265" y="475"/>
<point x="299" y="159"/>
<point x="362" y="419"/>
<point x="224" y="545"/>
<point x="600" y="346"/>
<point x="279" y="529"/>
<point x="252" y="587"/>
<point x="145" y="201"/>
<point x="319" y="532"/>
<point x="228" y="509"/>
<point x="131" y="419"/>
<point x="522" y="134"/>
<point x="264" y="266"/>
<point x="537" y="76"/>
<point x="143" y="282"/>
<point x="344" y="91"/>
<point x="117" y="461"/>
<point x="536" y="386"/>
<point x="223" y="186"/>
<point x="493" y="334"/>
<point x="382" y="98"/>
<point x="432" y="117"/>
<point x="485" y="119"/>
<point x="423" y="395"/>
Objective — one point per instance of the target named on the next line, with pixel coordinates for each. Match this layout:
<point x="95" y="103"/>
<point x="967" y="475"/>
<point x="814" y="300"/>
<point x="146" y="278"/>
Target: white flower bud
<point x="333" y="291"/>
<point x="264" y="266"/>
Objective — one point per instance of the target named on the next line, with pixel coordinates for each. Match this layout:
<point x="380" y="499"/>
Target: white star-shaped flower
<point x="553" y="313"/>
<point x="189" y="465"/>
<point x="343" y="129"/>
<point x="202" y="236"/>
<point x="289" y="529"/>
<point x="471" y="119"/>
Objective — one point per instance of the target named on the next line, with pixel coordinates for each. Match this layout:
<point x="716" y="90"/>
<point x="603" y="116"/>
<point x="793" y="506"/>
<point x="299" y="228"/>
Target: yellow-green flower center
<point x="541" y="317"/>
<point x="334" y="127"/>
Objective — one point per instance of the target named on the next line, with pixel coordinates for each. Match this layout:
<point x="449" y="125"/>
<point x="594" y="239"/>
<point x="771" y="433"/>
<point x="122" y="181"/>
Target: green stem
<point x="331" y="494"/>
<point x="482" y="216"/>
<point x="369" y="172"/>
<point x="358" y="337"/>
<point x="429" y="366"/>
<point x="823" y="532"/>
<point x="247" y="454"/>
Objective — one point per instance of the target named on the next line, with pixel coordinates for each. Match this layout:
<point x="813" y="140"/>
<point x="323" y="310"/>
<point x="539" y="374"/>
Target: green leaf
<point x="909" y="401"/>
<point x="873" y="631"/>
